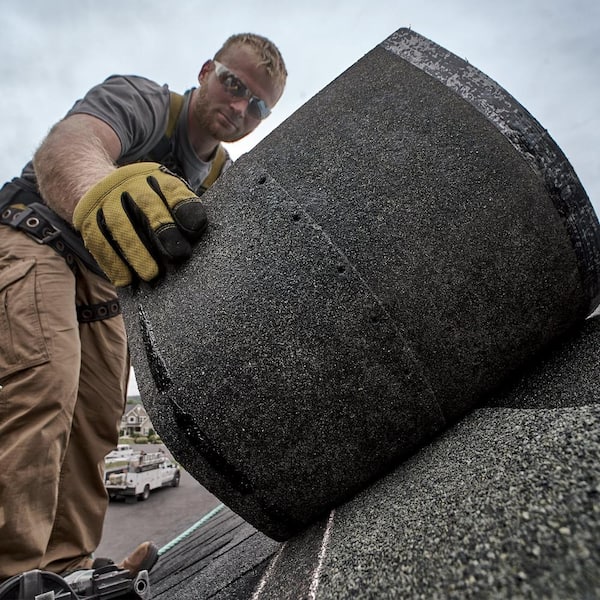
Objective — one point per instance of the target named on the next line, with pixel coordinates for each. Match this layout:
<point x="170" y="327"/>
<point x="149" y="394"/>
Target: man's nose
<point x="240" y="105"/>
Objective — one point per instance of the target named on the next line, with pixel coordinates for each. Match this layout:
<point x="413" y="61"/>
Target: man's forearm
<point x="77" y="153"/>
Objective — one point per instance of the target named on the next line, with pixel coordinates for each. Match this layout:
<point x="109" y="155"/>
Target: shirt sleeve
<point x="136" y="108"/>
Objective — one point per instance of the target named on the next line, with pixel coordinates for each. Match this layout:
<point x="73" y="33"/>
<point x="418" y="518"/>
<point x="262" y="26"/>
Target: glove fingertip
<point x="190" y="216"/>
<point x="174" y="244"/>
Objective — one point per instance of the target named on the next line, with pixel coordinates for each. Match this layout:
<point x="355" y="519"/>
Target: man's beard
<point x="205" y="120"/>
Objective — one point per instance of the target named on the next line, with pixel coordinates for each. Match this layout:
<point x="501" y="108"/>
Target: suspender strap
<point x="175" y="107"/>
<point x="215" y="169"/>
<point x="164" y="152"/>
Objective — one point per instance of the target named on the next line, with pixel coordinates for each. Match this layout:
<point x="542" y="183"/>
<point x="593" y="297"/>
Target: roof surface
<point x="505" y="504"/>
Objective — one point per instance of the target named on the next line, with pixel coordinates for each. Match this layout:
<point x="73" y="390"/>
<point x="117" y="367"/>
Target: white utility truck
<point x="135" y="476"/>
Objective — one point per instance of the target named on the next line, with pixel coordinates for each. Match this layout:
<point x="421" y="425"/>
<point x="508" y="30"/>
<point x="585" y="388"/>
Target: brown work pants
<point x="63" y="389"/>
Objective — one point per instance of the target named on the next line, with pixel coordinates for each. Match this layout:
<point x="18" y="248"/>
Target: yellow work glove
<point x="139" y="219"/>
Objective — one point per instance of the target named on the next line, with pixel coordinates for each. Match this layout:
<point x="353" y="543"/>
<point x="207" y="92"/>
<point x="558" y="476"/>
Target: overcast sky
<point x="546" y="53"/>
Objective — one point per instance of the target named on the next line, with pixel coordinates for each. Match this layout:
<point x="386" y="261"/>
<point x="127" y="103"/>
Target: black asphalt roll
<point x="400" y="247"/>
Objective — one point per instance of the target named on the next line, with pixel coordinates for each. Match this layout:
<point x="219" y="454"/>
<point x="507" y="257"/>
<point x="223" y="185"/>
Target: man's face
<point x="225" y="115"/>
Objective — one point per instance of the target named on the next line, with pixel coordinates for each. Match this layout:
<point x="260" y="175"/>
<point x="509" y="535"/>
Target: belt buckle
<point x="54" y="233"/>
<point x="29" y="221"/>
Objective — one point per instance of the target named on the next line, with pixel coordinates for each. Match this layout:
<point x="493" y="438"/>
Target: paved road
<point x="166" y="514"/>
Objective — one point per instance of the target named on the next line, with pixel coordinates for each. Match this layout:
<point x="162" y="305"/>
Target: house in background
<point x="135" y="421"/>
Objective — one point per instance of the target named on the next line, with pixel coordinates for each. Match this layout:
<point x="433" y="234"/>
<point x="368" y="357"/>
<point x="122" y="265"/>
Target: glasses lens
<point x="234" y="86"/>
<point x="257" y="108"/>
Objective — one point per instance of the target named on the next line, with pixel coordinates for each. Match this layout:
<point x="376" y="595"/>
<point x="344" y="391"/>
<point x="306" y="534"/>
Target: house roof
<point x="503" y="505"/>
<point x="224" y="558"/>
<point x="131" y="407"/>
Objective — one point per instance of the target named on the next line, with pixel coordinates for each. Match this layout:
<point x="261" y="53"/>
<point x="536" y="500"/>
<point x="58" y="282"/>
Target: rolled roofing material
<point x="392" y="253"/>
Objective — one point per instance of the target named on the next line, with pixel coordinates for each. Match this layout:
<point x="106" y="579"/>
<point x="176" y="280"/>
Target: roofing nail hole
<point x="262" y="179"/>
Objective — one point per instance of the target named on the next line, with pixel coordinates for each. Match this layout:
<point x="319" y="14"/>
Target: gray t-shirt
<point x="137" y="109"/>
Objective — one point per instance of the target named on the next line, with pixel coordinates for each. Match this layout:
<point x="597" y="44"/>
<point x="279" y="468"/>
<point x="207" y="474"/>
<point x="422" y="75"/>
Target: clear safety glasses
<point x="257" y="108"/>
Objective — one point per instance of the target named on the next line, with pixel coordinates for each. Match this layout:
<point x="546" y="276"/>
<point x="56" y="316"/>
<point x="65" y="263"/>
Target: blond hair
<point x="265" y="50"/>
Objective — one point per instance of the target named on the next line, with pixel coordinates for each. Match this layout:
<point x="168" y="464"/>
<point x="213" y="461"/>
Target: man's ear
<point x="205" y="70"/>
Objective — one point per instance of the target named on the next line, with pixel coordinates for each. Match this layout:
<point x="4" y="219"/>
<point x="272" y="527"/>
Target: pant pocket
<point x="22" y="342"/>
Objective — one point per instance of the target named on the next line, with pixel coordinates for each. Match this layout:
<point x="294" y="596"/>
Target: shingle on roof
<point x="222" y="559"/>
<point x="503" y="505"/>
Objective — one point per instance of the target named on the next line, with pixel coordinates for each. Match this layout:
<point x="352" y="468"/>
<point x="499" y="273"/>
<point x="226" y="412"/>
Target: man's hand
<point x="137" y="220"/>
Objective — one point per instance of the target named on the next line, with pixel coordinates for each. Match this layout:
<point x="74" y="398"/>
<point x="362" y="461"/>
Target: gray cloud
<point x="544" y="52"/>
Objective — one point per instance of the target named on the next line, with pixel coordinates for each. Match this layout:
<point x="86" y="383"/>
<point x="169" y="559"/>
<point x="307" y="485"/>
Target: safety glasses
<point x="257" y="108"/>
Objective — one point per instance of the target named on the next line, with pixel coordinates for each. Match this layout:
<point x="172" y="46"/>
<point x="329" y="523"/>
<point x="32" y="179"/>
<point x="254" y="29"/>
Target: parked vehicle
<point x="121" y="454"/>
<point x="140" y="474"/>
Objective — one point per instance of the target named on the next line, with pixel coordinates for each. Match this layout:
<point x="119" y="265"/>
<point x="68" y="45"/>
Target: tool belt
<point x="23" y="210"/>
